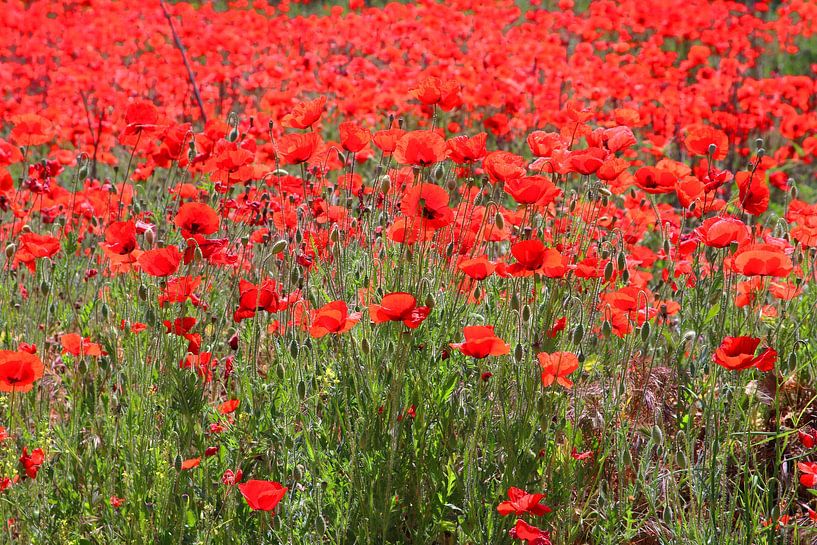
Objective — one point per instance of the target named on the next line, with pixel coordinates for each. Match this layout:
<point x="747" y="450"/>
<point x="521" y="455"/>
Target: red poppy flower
<point x="432" y="90"/>
<point x="228" y="406"/>
<point x="478" y="268"/>
<point x="531" y="534"/>
<point x="262" y="495"/>
<point x="655" y="180"/>
<point x="195" y="218"/>
<point x="754" y="192"/>
<point x="721" y="231"/>
<point x="533" y="257"/>
<point x="387" y="139"/>
<point x="762" y="260"/>
<point x="253" y="298"/>
<point x="161" y="261"/>
<point x="420" y="148"/>
<point x="532" y="190"/>
<point x="502" y="166"/>
<point x="808" y="477"/>
<point x="738" y="353"/>
<point x="32" y="462"/>
<point x="520" y="503"/>
<point x="76" y="345"/>
<point x="353" y="137"/>
<point x="399" y="307"/>
<point x="587" y="161"/>
<point x="191" y="463"/>
<point x="700" y="137"/>
<point x="481" y="342"/>
<point x="332" y="318"/>
<point x="34" y="247"/>
<point x="305" y="114"/>
<point x="19" y="371"/>
<point x="295" y="149"/>
<point x="542" y="144"/>
<point x="556" y="367"/>
<point x="30" y="130"/>
<point x="429" y="203"/>
<point x="464" y="149"/>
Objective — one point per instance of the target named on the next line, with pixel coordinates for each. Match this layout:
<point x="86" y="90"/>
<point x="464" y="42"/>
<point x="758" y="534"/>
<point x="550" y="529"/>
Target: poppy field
<point x="472" y="272"/>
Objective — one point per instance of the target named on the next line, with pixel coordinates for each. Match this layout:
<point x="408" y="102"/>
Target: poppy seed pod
<point x="279" y="246"/>
<point x="657" y="435"/>
<point x="578" y="334"/>
<point x="385" y="183"/>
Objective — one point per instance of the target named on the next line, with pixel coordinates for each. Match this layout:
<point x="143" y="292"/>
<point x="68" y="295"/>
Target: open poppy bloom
<point x="161" y="261"/>
<point x="532" y="190"/>
<point x="700" y="137"/>
<point x="195" y="218"/>
<point x="533" y="257"/>
<point x="481" y="342"/>
<point x="529" y="533"/>
<point x="332" y="318"/>
<point x="429" y="203"/>
<point x="399" y="307"/>
<point x="297" y="148"/>
<point x="738" y="353"/>
<point x="34" y="247"/>
<point x="808" y="475"/>
<point x="262" y="495"/>
<point x="420" y="148"/>
<point x="305" y="114"/>
<point x="253" y="298"/>
<point x="19" y="371"/>
<point x="520" y="502"/>
<point x="76" y="345"/>
<point x="556" y="367"/>
<point x="762" y="260"/>
<point x="478" y="268"/>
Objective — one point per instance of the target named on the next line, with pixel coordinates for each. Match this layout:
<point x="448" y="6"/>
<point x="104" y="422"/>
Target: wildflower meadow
<point x="456" y="272"/>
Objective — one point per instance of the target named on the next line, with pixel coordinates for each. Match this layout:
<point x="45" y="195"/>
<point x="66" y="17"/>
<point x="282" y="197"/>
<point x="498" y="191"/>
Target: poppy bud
<point x="280" y="371"/>
<point x="608" y="271"/>
<point x="605" y="200"/>
<point x="645" y="332"/>
<point x="625" y="276"/>
<point x="667" y="247"/>
<point x="606" y="328"/>
<point x="279" y="246"/>
<point x="365" y="347"/>
<point x="712" y="149"/>
<point x="518" y="352"/>
<point x="792" y="188"/>
<point x="44" y="287"/>
<point x="657" y="435"/>
<point x="293" y="348"/>
<point x="11" y="249"/>
<point x="499" y="221"/>
<point x="280" y="172"/>
<point x="668" y="516"/>
<point x="758" y="142"/>
<point x="298" y="473"/>
<point x="385" y="183"/>
<point x="515" y="301"/>
<point x="452" y="184"/>
<point x="578" y="334"/>
<point x="477" y="293"/>
<point x="106" y="310"/>
<point x="439" y="172"/>
<point x="233" y="342"/>
<point x="150" y="237"/>
<point x="82" y="173"/>
<point x="430" y="302"/>
<point x="320" y="525"/>
<point x="301" y="390"/>
<point x="681" y="459"/>
<point x="334" y="234"/>
<point x="693" y="205"/>
<point x="526" y="312"/>
<point x="232" y="136"/>
<point x="793" y="360"/>
<point x="761" y="152"/>
<point x="27" y="228"/>
<point x="295" y="276"/>
<point x="198" y="256"/>
<point x="621" y="261"/>
<point x="627" y="457"/>
<point x="177" y="463"/>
